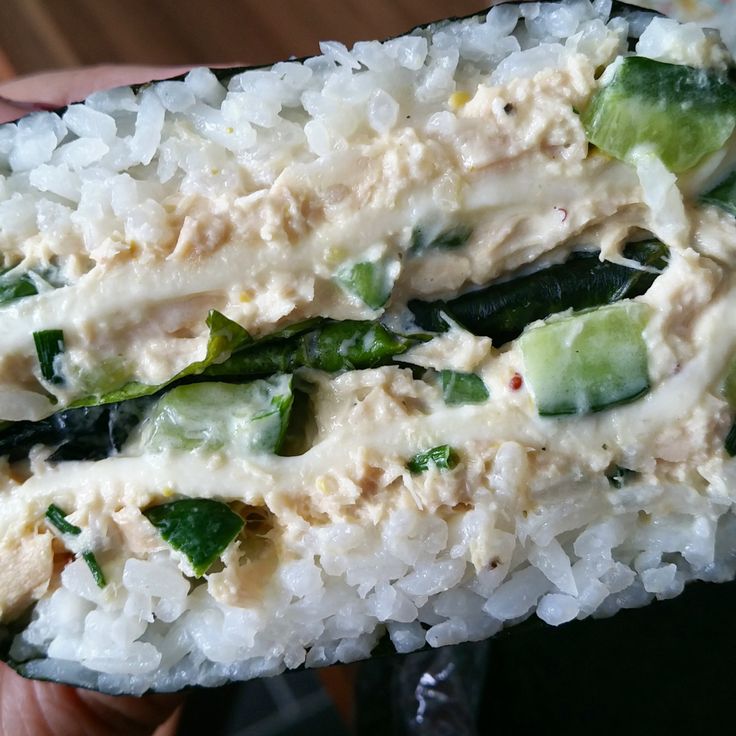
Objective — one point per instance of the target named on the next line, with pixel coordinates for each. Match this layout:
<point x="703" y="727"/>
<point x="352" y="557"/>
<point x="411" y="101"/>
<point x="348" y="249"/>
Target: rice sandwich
<point x="409" y="342"/>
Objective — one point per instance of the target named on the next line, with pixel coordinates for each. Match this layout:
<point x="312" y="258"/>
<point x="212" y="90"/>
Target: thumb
<point x="50" y="90"/>
<point x="30" y="708"/>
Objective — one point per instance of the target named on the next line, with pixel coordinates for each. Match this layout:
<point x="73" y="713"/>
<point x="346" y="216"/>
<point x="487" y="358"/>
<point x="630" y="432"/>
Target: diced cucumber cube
<point x="587" y="362"/>
<point x="238" y="418"/>
<point x="679" y="112"/>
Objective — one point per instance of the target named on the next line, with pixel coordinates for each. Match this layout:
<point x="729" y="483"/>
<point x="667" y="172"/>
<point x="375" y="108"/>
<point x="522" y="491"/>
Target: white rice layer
<point x="415" y="577"/>
<point x="106" y="175"/>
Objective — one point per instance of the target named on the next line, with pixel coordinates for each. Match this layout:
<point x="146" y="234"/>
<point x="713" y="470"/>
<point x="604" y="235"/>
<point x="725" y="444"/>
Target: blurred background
<point x="37" y="35"/>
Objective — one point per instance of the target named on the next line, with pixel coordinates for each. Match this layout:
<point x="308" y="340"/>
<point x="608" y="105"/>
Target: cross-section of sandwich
<point x="410" y="340"/>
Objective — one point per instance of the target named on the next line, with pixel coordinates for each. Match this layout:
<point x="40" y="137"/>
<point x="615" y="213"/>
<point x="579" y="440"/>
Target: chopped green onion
<point x="49" y="345"/>
<point x="463" y="388"/>
<point x="95" y="569"/>
<point x="21" y="287"/>
<point x="442" y="457"/>
<point x="58" y="518"/>
<point x="199" y="528"/>
<point x="450" y="239"/>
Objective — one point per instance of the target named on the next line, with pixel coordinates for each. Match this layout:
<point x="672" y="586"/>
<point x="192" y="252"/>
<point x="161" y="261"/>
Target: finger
<point x="30" y="708"/>
<point x="50" y="90"/>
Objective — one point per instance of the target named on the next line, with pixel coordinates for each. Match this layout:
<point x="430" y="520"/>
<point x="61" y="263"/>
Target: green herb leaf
<point x="463" y="388"/>
<point x="58" y="518"/>
<point x="225" y="337"/>
<point x="95" y="569"/>
<point x="442" y="457"/>
<point x="724" y="195"/>
<point x="370" y="281"/>
<point x="49" y="345"/>
<point x="201" y="529"/>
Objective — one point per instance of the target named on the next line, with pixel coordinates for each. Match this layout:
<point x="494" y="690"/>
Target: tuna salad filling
<point x="408" y="341"/>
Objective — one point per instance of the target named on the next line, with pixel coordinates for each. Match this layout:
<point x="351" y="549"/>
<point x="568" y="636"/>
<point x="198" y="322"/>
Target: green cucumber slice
<point x="237" y="418"/>
<point x="679" y="112"/>
<point x="587" y="362"/>
<point x="199" y="528"/>
<point x="442" y="457"/>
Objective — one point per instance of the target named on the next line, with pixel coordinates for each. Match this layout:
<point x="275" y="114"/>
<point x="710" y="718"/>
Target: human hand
<point x="29" y="708"/>
<point x="49" y="90"/>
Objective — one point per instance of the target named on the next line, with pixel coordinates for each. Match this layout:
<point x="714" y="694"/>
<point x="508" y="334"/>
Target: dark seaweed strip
<point x="87" y="433"/>
<point x="724" y="195"/>
<point x="502" y="310"/>
<point x="730" y="442"/>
